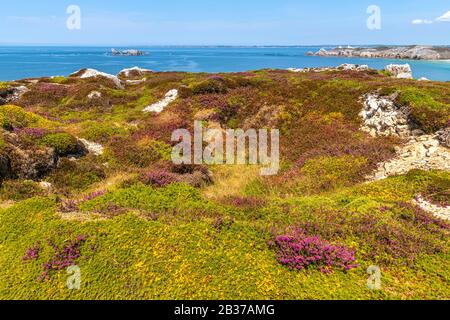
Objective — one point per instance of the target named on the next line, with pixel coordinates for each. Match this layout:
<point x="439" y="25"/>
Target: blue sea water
<point x="27" y="61"/>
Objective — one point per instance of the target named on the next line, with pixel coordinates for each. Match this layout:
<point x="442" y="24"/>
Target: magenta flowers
<point x="299" y="251"/>
<point x="63" y="256"/>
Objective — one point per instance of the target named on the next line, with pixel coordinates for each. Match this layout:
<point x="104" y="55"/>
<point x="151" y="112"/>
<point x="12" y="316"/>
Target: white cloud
<point x="444" y="18"/>
<point x="422" y="21"/>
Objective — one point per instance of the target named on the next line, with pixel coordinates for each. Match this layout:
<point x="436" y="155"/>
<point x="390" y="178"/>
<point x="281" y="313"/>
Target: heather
<point x="140" y="227"/>
<point x="299" y="250"/>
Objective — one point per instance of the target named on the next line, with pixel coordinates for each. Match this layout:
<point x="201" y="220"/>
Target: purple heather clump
<point x="36" y="133"/>
<point x="159" y="178"/>
<point x="94" y="195"/>
<point x="299" y="251"/>
<point x="32" y="253"/>
<point x="69" y="205"/>
<point x="63" y="257"/>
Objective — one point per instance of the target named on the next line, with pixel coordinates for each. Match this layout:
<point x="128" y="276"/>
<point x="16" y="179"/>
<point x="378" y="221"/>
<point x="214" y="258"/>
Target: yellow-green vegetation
<point x="140" y="227"/>
<point x="62" y="142"/>
<point x="17" y="117"/>
<point x="427" y="107"/>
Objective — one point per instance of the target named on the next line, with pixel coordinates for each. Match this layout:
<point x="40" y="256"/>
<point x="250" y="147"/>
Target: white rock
<point x="401" y="71"/>
<point x="94" y="148"/>
<point x="94" y="95"/>
<point x="92" y="73"/>
<point x="423" y="79"/>
<point x="133" y="82"/>
<point x="347" y="66"/>
<point x="295" y="70"/>
<point x="437" y="211"/>
<point x="159" y="106"/>
<point x="127" y="72"/>
<point x="382" y="118"/>
<point x="45" y="185"/>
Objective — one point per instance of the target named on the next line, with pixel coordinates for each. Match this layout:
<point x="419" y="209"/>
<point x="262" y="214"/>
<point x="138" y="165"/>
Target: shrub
<point x="327" y="173"/>
<point x="159" y="178"/>
<point x="34" y="133"/>
<point x="63" y="143"/>
<point x="299" y="251"/>
<point x="78" y="175"/>
<point x="212" y="85"/>
<point x="139" y="153"/>
<point x="18" y="190"/>
<point x="15" y="117"/>
<point x="45" y="93"/>
<point x="101" y="132"/>
<point x="430" y="114"/>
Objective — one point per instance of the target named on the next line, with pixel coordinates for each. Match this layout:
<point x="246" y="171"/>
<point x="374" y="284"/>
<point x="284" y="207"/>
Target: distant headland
<point x="131" y="52"/>
<point x="388" y="52"/>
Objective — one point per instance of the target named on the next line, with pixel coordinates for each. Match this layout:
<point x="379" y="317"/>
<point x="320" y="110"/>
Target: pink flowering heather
<point x="159" y="178"/>
<point x="300" y="251"/>
<point x="35" y="133"/>
<point x="32" y="253"/>
<point x="63" y="257"/>
<point x="93" y="195"/>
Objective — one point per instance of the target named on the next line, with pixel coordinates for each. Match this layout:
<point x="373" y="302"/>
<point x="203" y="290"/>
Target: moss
<point x="63" y="143"/>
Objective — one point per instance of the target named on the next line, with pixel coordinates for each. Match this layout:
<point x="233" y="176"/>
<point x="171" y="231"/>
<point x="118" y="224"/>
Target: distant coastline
<point x="415" y="52"/>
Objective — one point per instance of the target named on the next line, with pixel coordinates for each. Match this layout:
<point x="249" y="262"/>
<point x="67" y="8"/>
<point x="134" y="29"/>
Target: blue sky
<point x="230" y="22"/>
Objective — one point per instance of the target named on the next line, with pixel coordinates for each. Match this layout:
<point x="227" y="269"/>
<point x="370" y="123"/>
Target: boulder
<point x="381" y="117"/>
<point x="444" y="137"/>
<point x="133" y="72"/>
<point x="400" y="71"/>
<point x="92" y="73"/>
<point x="5" y="167"/>
<point x="11" y="95"/>
<point x="94" y="95"/>
<point x="33" y="163"/>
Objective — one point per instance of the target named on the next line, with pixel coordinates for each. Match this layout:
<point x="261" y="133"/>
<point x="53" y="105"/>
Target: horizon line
<point x="207" y="45"/>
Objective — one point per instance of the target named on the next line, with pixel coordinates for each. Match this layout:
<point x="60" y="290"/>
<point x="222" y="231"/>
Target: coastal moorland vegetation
<point x="140" y="227"/>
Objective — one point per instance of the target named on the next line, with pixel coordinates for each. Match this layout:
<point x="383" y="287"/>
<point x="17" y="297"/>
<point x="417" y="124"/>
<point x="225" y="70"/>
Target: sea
<point x="19" y="62"/>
